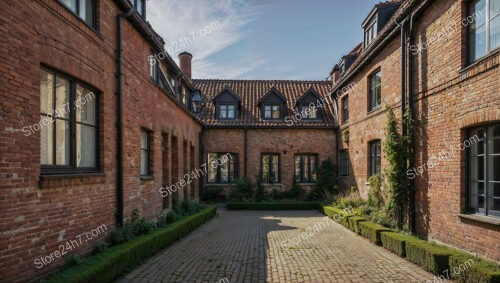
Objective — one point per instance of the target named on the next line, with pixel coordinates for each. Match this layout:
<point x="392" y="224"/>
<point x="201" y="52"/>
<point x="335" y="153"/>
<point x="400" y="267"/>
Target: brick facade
<point x="449" y="97"/>
<point x="41" y="212"/>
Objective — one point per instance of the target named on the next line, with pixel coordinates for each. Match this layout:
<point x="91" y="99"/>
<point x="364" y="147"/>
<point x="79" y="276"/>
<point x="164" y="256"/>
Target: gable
<point x="226" y="95"/>
<point x="272" y="96"/>
<point x="310" y="96"/>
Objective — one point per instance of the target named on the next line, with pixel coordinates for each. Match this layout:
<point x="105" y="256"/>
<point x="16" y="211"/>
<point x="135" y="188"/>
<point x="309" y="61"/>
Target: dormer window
<point x="309" y="111"/>
<point x="308" y="105"/>
<point x="226" y="111"/>
<point x="140" y="6"/>
<point x="272" y="112"/>
<point x="370" y="32"/>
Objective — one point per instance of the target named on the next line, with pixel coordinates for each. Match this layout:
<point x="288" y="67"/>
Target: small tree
<point x="326" y="182"/>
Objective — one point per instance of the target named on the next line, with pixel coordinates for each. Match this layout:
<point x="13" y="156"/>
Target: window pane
<point x="223" y="111"/>
<point x="230" y="113"/>
<point x="85" y="105"/>
<point x="144" y="163"/>
<point x="87" y="11"/>
<point x="212" y="168"/>
<point x="267" y="111"/>
<point x="480" y="168"/>
<point x="46" y="92"/>
<point x="297" y="168"/>
<point x="224" y="170"/>
<point x="232" y="168"/>
<point x="71" y="4"/>
<point x="62" y="98"/>
<point x="495" y="32"/>
<point x="46" y="143"/>
<point x="276" y="112"/>
<point x="62" y="142"/>
<point x="494" y="8"/>
<point x="494" y="168"/>
<point x="85" y="146"/>
<point x="144" y="140"/>
<point x="479" y="42"/>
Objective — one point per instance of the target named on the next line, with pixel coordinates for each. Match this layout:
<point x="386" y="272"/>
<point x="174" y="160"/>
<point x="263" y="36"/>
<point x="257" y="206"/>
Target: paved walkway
<point x="245" y="246"/>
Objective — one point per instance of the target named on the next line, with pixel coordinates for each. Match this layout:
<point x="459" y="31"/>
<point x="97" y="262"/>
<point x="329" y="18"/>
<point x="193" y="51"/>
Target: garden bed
<point x="291" y="205"/>
<point x="115" y="261"/>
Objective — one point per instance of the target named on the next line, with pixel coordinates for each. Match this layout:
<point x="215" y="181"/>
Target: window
<point x="309" y="111"/>
<point x="140" y="6"/>
<point x="344" y="163"/>
<point x="227" y="111"/>
<point x="375" y="157"/>
<point x="484" y="31"/>
<point x="85" y="9"/>
<point x="272" y="112"/>
<point x="370" y="33"/>
<point x="153" y="68"/>
<point x="222" y="168"/>
<point x="270" y="165"/>
<point x="484" y="170"/>
<point x="305" y="168"/>
<point x="146" y="153"/>
<point x="345" y="109"/>
<point x="375" y="90"/>
<point x="183" y="96"/>
<point x="69" y="133"/>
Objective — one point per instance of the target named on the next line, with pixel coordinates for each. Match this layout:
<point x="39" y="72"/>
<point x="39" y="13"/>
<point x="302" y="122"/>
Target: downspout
<point x="119" y="122"/>
<point x="246" y="150"/>
<point x="200" y="159"/>
<point x="403" y="108"/>
<point x="411" y="185"/>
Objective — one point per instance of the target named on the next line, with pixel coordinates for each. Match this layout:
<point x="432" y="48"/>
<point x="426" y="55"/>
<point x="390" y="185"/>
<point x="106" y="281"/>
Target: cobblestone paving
<point x="245" y="246"/>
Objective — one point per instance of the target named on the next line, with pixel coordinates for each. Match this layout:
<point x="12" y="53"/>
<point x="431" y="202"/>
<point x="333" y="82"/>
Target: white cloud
<point x="222" y="23"/>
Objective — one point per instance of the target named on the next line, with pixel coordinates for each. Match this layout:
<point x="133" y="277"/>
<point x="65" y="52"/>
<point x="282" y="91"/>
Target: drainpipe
<point x="246" y="150"/>
<point x="119" y="122"/>
<point x="411" y="185"/>
<point x="403" y="107"/>
<point x="200" y="159"/>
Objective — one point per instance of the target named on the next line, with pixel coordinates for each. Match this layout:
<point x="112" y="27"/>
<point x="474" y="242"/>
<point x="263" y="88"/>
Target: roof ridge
<point x="260" y="80"/>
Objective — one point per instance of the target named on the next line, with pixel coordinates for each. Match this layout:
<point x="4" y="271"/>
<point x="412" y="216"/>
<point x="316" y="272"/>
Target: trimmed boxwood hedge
<point x="372" y="231"/>
<point x="337" y="214"/>
<point x="110" y="264"/>
<point x="296" y="205"/>
<point x="354" y="223"/>
<point x="396" y="242"/>
<point x="429" y="256"/>
<point x="467" y="269"/>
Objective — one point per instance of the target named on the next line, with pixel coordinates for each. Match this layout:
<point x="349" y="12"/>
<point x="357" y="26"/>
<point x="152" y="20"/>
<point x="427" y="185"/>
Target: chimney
<point x="185" y="63"/>
<point x="335" y="73"/>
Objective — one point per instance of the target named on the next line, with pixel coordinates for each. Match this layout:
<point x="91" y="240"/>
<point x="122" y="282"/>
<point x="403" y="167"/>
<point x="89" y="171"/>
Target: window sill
<point x="481" y="218"/>
<point x="374" y="110"/>
<point x="479" y="61"/>
<point x="306" y="184"/>
<point x="219" y="185"/>
<point x="146" y="178"/>
<point x="68" y="180"/>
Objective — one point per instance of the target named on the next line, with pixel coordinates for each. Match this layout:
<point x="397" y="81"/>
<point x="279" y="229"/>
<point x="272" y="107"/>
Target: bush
<point x="112" y="263"/>
<point x="294" y="193"/>
<point x="325" y="181"/>
<point x="350" y="201"/>
<point x="381" y="217"/>
<point x="354" y="223"/>
<point x="273" y="205"/>
<point x="242" y="191"/>
<point x="375" y="193"/>
<point x="372" y="231"/>
<point x="210" y="194"/>
<point x="396" y="242"/>
<point x="467" y="269"/>
<point x="100" y="247"/>
<point x="429" y="256"/>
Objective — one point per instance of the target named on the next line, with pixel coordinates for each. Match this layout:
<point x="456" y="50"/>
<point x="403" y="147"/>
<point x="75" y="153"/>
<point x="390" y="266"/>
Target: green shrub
<point x="242" y="191"/>
<point x="375" y="193"/>
<point x="429" y="256"/>
<point x="170" y="217"/>
<point x="260" y="195"/>
<point x="73" y="261"/>
<point x="352" y="200"/>
<point x="291" y="205"/>
<point x="381" y="217"/>
<point x="396" y="242"/>
<point x="115" y="261"/>
<point x="372" y="231"/>
<point x="467" y="269"/>
<point x="100" y="247"/>
<point x="210" y="194"/>
<point x="354" y="223"/>
<point x="294" y="193"/>
<point x="326" y="181"/>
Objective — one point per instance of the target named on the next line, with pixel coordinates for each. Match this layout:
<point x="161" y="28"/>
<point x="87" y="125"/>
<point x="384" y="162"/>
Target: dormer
<point x="346" y="62"/>
<point x="272" y="105"/>
<point x="377" y="19"/>
<point x="227" y="104"/>
<point x="307" y="105"/>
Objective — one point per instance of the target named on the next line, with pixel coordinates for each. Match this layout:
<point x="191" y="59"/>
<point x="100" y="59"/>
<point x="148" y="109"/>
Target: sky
<point x="259" y="39"/>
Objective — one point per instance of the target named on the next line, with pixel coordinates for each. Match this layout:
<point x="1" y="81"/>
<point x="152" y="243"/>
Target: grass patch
<point x="289" y="205"/>
<point x="372" y="231"/>
<point x="396" y="242"/>
<point x="115" y="261"/>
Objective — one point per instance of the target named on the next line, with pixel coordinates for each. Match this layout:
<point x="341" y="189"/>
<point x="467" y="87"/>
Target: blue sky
<point x="258" y="39"/>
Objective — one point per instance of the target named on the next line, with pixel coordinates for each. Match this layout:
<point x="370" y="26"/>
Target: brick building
<point x="92" y="126"/>
<point x="447" y="72"/>
<point x="274" y="130"/>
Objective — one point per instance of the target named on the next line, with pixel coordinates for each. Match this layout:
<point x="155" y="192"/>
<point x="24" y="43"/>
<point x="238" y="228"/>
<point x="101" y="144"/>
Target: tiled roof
<point x="250" y="91"/>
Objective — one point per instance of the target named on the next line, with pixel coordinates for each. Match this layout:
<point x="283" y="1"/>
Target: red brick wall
<point x="39" y="214"/>
<point x="447" y="102"/>
<point x="286" y="142"/>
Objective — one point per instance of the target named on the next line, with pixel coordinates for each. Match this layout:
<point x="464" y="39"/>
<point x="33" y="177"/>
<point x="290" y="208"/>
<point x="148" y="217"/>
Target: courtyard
<point x="246" y="246"/>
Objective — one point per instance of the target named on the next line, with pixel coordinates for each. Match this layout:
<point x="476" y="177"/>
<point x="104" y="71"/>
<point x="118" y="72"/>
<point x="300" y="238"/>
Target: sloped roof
<point x="250" y="91"/>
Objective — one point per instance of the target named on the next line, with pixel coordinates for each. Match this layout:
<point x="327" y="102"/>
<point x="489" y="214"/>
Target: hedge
<point x="112" y="263"/>
<point x="429" y="256"/>
<point x="467" y="269"/>
<point x="396" y="242"/>
<point x="372" y="231"/>
<point x="354" y="223"/>
<point x="273" y="205"/>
